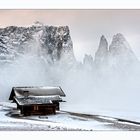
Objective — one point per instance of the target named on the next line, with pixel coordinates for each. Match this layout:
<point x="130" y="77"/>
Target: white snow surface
<point x="10" y="119"/>
<point x="60" y="121"/>
<point x="128" y="114"/>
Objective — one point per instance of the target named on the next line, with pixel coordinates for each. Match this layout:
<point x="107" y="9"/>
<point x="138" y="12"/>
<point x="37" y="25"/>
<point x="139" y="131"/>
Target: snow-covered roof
<point x="37" y="100"/>
<point x="22" y="92"/>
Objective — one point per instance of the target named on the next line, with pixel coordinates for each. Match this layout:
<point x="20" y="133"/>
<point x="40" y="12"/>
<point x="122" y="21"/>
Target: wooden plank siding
<point x="38" y="109"/>
<point x="37" y="100"/>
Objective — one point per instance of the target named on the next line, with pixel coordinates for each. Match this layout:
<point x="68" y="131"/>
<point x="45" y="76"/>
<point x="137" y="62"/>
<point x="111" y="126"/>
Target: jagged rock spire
<point x="120" y="51"/>
<point x="102" y="51"/>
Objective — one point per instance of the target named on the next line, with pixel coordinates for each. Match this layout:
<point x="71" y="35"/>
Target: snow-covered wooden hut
<point x="37" y="100"/>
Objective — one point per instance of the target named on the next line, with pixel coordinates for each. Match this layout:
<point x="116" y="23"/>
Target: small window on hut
<point x="35" y="108"/>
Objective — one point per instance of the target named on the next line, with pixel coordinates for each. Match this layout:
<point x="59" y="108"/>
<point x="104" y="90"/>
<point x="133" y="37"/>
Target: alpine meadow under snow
<point x="42" y="55"/>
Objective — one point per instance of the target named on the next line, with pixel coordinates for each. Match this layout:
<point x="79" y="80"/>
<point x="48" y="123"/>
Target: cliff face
<point x="53" y="42"/>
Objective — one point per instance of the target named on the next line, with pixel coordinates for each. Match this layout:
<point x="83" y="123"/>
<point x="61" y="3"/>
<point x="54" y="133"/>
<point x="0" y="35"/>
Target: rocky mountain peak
<point x="102" y="50"/>
<point x="103" y="43"/>
<point x="88" y="59"/>
<point x="119" y="43"/>
<point x="118" y="37"/>
<point x="120" y="52"/>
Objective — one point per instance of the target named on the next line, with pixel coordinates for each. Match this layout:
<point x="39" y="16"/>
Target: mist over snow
<point x="42" y="55"/>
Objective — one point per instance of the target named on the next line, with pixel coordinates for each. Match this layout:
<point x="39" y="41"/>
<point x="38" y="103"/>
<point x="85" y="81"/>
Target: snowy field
<point x="10" y="119"/>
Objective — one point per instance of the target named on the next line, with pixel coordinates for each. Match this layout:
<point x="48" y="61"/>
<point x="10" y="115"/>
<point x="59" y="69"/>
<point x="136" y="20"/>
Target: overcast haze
<point x="86" y="26"/>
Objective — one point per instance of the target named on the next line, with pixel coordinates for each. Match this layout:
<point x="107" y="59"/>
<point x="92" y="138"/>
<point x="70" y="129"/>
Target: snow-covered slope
<point x="11" y="119"/>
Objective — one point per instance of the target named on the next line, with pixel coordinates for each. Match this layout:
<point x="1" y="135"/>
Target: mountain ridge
<point x="55" y="41"/>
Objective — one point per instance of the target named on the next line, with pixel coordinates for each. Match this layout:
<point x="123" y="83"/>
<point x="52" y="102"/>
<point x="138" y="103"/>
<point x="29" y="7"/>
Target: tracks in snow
<point x="122" y="124"/>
